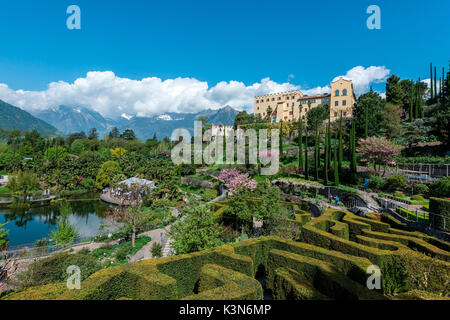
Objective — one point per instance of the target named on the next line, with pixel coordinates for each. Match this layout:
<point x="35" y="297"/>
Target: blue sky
<point x="306" y="43"/>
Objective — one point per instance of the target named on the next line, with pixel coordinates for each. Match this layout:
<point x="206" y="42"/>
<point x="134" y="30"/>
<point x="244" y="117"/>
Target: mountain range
<point x="12" y="117"/>
<point x="75" y="119"/>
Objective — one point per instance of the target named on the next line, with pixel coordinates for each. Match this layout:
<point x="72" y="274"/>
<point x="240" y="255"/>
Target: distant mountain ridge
<point x="12" y="117"/>
<point x="76" y="119"/>
<point x="70" y="120"/>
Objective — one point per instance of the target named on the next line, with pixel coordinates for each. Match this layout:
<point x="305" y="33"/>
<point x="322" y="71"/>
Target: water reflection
<point x="28" y="225"/>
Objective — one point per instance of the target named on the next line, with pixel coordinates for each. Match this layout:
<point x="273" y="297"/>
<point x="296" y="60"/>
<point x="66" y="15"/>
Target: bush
<point x="421" y="188"/>
<point x="122" y="253"/>
<point x="88" y="183"/>
<point x="210" y="194"/>
<point x="399" y="194"/>
<point x="396" y="182"/>
<point x="54" y="268"/>
<point x="441" y="187"/>
<point x="417" y="197"/>
<point x="156" y="250"/>
<point x="376" y="182"/>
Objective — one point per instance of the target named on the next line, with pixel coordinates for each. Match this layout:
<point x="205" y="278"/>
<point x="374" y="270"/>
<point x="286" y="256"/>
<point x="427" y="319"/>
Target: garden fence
<point x="434" y="220"/>
<point x="31" y="251"/>
<point x="423" y="171"/>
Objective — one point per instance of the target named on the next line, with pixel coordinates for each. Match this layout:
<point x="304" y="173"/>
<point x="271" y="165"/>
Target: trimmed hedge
<point x="331" y="262"/>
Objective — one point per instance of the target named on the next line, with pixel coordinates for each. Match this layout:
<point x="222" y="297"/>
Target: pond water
<point x="28" y="225"/>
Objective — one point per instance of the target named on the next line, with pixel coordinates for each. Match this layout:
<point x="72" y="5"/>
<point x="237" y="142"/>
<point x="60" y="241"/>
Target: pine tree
<point x="335" y="162"/>
<point x="300" y="145"/>
<point x="306" y="156"/>
<point x="431" y="81"/>
<point x="341" y="147"/>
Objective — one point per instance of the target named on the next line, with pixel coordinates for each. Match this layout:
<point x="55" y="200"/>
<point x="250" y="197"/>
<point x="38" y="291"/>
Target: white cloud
<point x="113" y="96"/>
<point x="363" y="77"/>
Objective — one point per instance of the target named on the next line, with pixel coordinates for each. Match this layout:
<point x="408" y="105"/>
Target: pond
<point x="28" y="225"/>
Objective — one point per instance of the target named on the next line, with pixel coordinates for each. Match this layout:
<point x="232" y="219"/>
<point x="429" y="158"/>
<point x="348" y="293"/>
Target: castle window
<point x="344" y="92"/>
<point x="335" y="114"/>
<point x="293" y="103"/>
<point x="336" y="103"/>
<point x="267" y="100"/>
<point x="344" y="102"/>
<point x="293" y="97"/>
<point x="345" y="113"/>
<point x="336" y="93"/>
<point x="257" y="101"/>
<point x="273" y="99"/>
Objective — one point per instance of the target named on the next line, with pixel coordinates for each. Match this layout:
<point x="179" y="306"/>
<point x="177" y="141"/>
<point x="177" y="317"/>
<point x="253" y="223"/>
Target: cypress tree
<point x="306" y="156"/>
<point x="435" y="84"/>
<point x="442" y="85"/>
<point x="431" y="81"/>
<point x="300" y="144"/>
<point x="316" y="157"/>
<point x="366" y="122"/>
<point x="329" y="144"/>
<point x="419" y="100"/>
<point x="335" y="163"/>
<point x="411" y="105"/>
<point x="416" y="104"/>
<point x="341" y="147"/>
<point x="325" y="162"/>
<point x="353" y="152"/>
<point x="281" y="139"/>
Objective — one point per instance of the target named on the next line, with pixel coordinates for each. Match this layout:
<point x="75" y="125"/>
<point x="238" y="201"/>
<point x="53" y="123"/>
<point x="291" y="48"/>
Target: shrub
<point x="396" y="182"/>
<point x="122" y="253"/>
<point x="210" y="194"/>
<point x="441" y="187"/>
<point x="87" y="183"/>
<point x="54" y="268"/>
<point x="417" y="197"/>
<point x="399" y="194"/>
<point x="421" y="188"/>
<point x="376" y="182"/>
<point x="156" y="250"/>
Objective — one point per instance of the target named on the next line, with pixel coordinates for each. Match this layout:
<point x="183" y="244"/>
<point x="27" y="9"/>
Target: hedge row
<point x="393" y="263"/>
<point x="331" y="262"/>
<point x="217" y="282"/>
<point x="322" y="275"/>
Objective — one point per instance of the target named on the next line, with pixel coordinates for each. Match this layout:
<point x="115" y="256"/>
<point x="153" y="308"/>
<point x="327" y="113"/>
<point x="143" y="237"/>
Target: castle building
<point x="293" y="105"/>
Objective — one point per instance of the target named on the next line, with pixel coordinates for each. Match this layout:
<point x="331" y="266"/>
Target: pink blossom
<point x="236" y="180"/>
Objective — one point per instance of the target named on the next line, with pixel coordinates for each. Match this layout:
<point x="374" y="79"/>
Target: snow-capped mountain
<point x="76" y="119"/>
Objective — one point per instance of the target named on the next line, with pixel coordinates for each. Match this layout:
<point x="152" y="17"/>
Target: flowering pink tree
<point x="378" y="150"/>
<point x="236" y="180"/>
